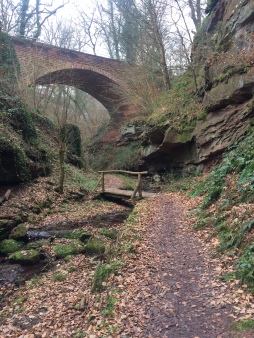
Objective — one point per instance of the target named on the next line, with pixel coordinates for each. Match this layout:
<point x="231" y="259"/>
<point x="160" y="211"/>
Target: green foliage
<point x="73" y="139"/>
<point x="230" y="71"/>
<point x="95" y="246"/>
<point x="180" y="184"/>
<point x="18" y="116"/>
<point x="245" y="267"/>
<point x="79" y="334"/>
<point x="71" y="136"/>
<point x="239" y="159"/>
<point x="58" y="277"/>
<point x="20" y="300"/>
<point x="102" y="272"/>
<point x="73" y="248"/>
<point x="109" y="308"/>
<point x="79" y="178"/>
<point x="71" y="269"/>
<point x="111" y="157"/>
<point x="242" y="325"/>
<point x="9" y="64"/>
<point x="34" y="281"/>
<point x="178" y="107"/>
<point x="239" y="163"/>
<point x="128" y="182"/>
<point x="203" y="222"/>
<point x="110" y="233"/>
<point x="230" y="237"/>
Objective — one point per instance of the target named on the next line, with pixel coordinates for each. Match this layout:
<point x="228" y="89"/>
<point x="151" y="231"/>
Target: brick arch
<point x="100" y="77"/>
<point x="99" y="86"/>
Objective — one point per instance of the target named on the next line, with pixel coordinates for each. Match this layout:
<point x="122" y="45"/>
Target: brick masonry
<point x="100" y="77"/>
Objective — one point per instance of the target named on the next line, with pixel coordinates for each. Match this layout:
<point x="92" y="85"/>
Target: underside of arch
<point x="102" y="88"/>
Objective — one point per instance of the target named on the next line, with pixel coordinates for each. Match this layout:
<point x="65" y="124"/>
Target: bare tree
<point x="65" y="34"/>
<point x="8" y="14"/>
<point x="26" y="17"/>
<point x="110" y="23"/>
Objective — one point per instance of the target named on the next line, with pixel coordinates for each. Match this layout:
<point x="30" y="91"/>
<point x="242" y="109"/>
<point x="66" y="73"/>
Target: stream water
<point x="18" y="274"/>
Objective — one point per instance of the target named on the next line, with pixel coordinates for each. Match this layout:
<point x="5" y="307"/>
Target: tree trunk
<point x="62" y="171"/>
<point x="164" y="67"/>
<point x="23" y="17"/>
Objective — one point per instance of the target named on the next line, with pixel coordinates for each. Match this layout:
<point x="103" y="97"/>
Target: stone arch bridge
<point x="100" y="77"/>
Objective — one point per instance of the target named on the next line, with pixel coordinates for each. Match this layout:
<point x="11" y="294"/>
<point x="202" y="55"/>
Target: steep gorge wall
<point x="223" y="60"/>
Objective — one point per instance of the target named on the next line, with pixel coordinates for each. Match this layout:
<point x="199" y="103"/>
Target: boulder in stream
<point x="74" y="247"/>
<point x="25" y="257"/>
<point x="19" y="233"/>
<point x="8" y="246"/>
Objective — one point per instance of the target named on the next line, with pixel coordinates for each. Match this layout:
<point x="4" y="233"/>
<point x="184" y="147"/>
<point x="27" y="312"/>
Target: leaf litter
<point x="167" y="287"/>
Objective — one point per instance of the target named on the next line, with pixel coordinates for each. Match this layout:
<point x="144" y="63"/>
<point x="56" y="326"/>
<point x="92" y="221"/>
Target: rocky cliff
<point x="223" y="63"/>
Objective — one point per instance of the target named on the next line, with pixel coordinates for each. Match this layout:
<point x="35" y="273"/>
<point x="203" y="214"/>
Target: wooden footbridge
<point x="114" y="192"/>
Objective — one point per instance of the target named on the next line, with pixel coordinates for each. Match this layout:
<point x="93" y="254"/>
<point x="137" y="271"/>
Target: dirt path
<point x="171" y="285"/>
<point x="168" y="286"/>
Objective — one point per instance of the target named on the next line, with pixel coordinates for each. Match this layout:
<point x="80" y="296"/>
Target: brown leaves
<point x="168" y="283"/>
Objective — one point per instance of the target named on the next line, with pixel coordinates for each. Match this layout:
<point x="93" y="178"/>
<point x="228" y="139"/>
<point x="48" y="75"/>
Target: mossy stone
<point x="37" y="244"/>
<point x="74" y="247"/>
<point x="110" y="233"/>
<point x="95" y="245"/>
<point x="15" y="166"/>
<point x="82" y="235"/>
<point x="173" y="137"/>
<point x="19" y="233"/>
<point x="36" y="209"/>
<point x="85" y="236"/>
<point x="6" y="227"/>
<point x="25" y="257"/>
<point x="8" y="246"/>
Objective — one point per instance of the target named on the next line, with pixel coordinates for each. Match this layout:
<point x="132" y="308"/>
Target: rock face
<point x="221" y="129"/>
<point x="224" y="51"/>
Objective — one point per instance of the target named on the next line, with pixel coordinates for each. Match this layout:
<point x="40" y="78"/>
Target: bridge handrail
<point x="138" y="187"/>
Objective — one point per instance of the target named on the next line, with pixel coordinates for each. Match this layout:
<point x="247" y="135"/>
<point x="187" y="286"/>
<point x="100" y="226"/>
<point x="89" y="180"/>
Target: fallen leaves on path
<point x="168" y="286"/>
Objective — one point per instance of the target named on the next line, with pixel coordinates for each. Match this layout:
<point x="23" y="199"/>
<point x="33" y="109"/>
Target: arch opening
<point x="99" y="86"/>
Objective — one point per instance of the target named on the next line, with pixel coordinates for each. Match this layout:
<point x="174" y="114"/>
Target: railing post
<point x="102" y="183"/>
<point x="139" y="185"/>
<point x="136" y="188"/>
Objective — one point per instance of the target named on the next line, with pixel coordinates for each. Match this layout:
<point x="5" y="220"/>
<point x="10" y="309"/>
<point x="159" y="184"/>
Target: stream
<point x="18" y="274"/>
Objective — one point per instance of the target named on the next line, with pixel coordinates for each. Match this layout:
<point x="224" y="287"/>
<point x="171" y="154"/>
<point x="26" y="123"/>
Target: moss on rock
<point x="80" y="234"/>
<point x="110" y="233"/>
<point x="8" y="246"/>
<point x="74" y="247"/>
<point x="37" y="244"/>
<point x="6" y="227"/>
<point x="25" y="257"/>
<point x="173" y="137"/>
<point x="95" y="245"/>
<point x="19" y="233"/>
<point x="14" y="164"/>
